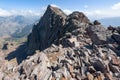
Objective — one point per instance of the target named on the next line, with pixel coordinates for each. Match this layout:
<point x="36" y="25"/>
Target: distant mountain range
<point x="16" y="26"/>
<point x="21" y="26"/>
<point x="114" y="21"/>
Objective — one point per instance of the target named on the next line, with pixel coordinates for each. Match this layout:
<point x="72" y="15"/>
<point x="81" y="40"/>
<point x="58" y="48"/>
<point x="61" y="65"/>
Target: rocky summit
<point x="65" y="47"/>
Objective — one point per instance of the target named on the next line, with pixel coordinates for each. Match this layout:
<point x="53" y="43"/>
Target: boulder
<point x="90" y="76"/>
<point x="97" y="34"/>
<point x="76" y="20"/>
<point x="118" y="29"/>
<point x="99" y="66"/>
<point x="96" y="22"/>
<point x="32" y="69"/>
<point x="79" y="16"/>
<point x="115" y="60"/>
<point x="113" y="68"/>
<point x="116" y="37"/>
<point x="5" y="46"/>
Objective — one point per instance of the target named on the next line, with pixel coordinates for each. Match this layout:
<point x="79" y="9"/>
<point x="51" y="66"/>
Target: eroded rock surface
<point x="67" y="47"/>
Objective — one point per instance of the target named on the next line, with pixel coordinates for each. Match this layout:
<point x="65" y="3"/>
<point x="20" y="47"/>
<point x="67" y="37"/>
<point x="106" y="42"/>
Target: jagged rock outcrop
<point x="47" y="30"/>
<point x="98" y="34"/>
<point x="68" y="48"/>
<point x="52" y="26"/>
<point x="7" y="45"/>
<point x="80" y="56"/>
<point x="35" y="68"/>
<point x="96" y="22"/>
<point x="76" y="20"/>
<point x="116" y="37"/>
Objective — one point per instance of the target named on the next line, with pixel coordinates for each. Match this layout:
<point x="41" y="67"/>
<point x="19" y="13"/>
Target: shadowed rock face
<point x="96" y="22"/>
<point x="52" y="26"/>
<point x="47" y="30"/>
<point x="79" y="16"/>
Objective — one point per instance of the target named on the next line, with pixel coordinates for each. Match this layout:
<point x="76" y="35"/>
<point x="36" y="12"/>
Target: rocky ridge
<point x="68" y="47"/>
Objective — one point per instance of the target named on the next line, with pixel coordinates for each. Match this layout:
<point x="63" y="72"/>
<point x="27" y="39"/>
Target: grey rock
<point x="99" y="66"/>
<point x="52" y="26"/>
<point x="47" y="30"/>
<point x="113" y="68"/>
<point x="97" y="34"/>
<point x="116" y="37"/>
<point x="30" y="69"/>
<point x="96" y="22"/>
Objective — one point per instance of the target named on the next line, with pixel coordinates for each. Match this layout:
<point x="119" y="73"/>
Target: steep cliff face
<point x="52" y="26"/>
<point x="47" y="30"/>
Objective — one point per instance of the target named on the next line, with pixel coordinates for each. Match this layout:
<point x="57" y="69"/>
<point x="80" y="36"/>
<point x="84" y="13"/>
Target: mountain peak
<point x="54" y="9"/>
<point x="52" y="26"/>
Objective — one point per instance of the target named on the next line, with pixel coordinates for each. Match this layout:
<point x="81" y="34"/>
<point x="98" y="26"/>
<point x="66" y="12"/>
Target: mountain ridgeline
<point x="53" y="26"/>
<point x="15" y="26"/>
<point x="66" y="47"/>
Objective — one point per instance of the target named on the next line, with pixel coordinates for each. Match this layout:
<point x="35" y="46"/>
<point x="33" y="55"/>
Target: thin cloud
<point x="99" y="14"/>
<point x="116" y="6"/>
<point x="67" y="11"/>
<point x="4" y="12"/>
<point x="112" y="11"/>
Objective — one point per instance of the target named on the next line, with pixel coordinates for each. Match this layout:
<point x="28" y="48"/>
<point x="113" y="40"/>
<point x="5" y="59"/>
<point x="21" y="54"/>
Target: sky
<point x="92" y="8"/>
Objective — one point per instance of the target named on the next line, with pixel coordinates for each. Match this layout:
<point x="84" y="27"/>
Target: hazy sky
<point x="92" y="8"/>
